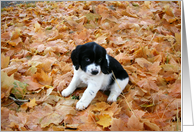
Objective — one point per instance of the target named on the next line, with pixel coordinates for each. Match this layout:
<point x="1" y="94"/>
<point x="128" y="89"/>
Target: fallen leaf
<point x="6" y="83"/>
<point x="101" y="106"/>
<point x="19" y="89"/>
<point x="52" y="118"/>
<point x="32" y="103"/>
<point x="104" y="120"/>
<point x="37" y="27"/>
<point x="43" y="78"/>
<point x="143" y="62"/>
<point x="4" y="61"/>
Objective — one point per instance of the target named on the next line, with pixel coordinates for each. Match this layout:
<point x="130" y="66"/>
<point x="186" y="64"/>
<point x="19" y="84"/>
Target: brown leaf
<point x="52" y="118"/>
<point x="134" y="123"/>
<point x="150" y="126"/>
<point x="143" y="62"/>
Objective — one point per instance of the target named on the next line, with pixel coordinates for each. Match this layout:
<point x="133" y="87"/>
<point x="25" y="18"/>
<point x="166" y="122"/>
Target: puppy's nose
<point x="94" y="72"/>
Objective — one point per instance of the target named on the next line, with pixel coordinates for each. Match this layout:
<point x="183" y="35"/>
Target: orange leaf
<point x="101" y="106"/>
<point x="43" y="78"/>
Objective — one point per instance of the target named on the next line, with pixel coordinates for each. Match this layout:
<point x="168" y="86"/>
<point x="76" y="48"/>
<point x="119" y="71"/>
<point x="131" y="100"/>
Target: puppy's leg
<point x="87" y="96"/>
<point x="116" y="89"/>
<point x="72" y="86"/>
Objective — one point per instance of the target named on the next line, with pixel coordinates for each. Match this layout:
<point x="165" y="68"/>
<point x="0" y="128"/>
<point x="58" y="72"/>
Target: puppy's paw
<point x="81" y="105"/>
<point x="66" y="92"/>
<point x="112" y="98"/>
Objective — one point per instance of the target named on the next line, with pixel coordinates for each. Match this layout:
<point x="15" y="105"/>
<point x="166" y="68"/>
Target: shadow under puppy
<point x="94" y="68"/>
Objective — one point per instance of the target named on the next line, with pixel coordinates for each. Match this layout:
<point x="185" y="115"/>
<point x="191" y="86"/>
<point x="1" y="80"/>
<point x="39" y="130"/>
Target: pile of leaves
<point x="36" y="43"/>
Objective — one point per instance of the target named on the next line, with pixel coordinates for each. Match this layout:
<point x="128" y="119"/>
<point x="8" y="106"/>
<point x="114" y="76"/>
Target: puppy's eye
<point x="87" y="59"/>
<point x="99" y="60"/>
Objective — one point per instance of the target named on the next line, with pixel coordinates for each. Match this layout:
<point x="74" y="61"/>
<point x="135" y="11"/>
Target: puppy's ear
<point x="75" y="57"/>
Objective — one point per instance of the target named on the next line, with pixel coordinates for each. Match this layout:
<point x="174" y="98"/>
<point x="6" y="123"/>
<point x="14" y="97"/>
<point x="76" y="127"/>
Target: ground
<point x="36" y="43"/>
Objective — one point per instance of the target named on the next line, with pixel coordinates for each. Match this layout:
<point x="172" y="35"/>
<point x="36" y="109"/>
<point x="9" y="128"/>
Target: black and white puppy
<point x="94" y="68"/>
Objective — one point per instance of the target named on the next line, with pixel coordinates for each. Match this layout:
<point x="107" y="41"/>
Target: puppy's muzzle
<point x="94" y="72"/>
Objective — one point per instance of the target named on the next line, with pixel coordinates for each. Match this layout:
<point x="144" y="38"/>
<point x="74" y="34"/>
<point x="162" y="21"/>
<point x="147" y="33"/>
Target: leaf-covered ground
<point x="36" y="43"/>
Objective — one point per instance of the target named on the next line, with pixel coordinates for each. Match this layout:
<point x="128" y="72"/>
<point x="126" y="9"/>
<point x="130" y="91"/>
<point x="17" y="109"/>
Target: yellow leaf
<point x="37" y="26"/>
<point x="32" y="103"/>
<point x="4" y="60"/>
<point x="105" y="120"/>
<point x="6" y="83"/>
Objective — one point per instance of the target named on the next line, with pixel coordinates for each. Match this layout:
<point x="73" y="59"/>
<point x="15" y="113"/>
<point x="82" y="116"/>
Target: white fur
<point x="94" y="83"/>
<point x="91" y="68"/>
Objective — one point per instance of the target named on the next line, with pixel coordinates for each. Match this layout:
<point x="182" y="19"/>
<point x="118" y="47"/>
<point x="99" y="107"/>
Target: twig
<point x="18" y="101"/>
<point x="122" y="93"/>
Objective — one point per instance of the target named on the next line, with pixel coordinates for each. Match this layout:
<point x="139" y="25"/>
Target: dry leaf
<point x="32" y="103"/>
<point x="6" y="83"/>
<point x="104" y="120"/>
<point x="4" y="61"/>
<point x="52" y="118"/>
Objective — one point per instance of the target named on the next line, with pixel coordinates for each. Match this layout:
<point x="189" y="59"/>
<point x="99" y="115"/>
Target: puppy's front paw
<point x="112" y="98"/>
<point x="66" y="92"/>
<point x="81" y="105"/>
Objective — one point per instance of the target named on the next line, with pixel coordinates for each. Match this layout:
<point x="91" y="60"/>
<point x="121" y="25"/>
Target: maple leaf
<point x="150" y="126"/>
<point x="143" y="62"/>
<point x="104" y="120"/>
<point x="18" y="120"/>
<point x="101" y="106"/>
<point x="19" y="89"/>
<point x="111" y="110"/>
<point x="118" y="40"/>
<point x="101" y="40"/>
<point x="5" y="112"/>
<point x="134" y="123"/>
<point x="6" y="83"/>
<point x="4" y="60"/>
<point x="32" y="83"/>
<point x="52" y="118"/>
<point x="43" y="78"/>
<point x="32" y="103"/>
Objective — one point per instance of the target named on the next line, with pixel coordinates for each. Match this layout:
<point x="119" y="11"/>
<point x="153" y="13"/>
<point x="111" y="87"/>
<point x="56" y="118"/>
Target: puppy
<point x="94" y="68"/>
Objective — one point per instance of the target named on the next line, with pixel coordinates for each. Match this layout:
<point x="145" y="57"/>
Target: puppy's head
<point x="91" y="58"/>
